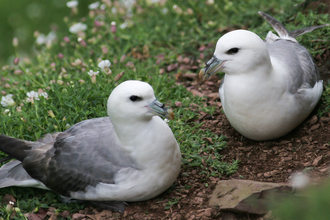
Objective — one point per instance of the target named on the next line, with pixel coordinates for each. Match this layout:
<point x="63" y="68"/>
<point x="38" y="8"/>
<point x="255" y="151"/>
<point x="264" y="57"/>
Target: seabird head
<point x="135" y="100"/>
<point x="237" y="52"/>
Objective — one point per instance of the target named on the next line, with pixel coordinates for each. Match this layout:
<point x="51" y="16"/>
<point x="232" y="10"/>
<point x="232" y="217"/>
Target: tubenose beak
<point x="159" y="109"/>
<point x="213" y="66"/>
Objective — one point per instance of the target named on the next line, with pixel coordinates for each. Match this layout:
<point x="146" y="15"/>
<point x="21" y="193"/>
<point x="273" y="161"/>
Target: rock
<point x="314" y="127"/>
<point x="245" y="195"/>
<point x="33" y="216"/>
<point x="65" y="214"/>
<point x="208" y="212"/>
<point x="78" y="216"/>
<point x="245" y="148"/>
<point x="198" y="200"/>
<point x="325" y="119"/>
<point x="287" y="158"/>
<point x="213" y="96"/>
<point x="313" y="120"/>
<point x="191" y="76"/>
<point x="267" y="174"/>
<point x="196" y="93"/>
<point x="317" y="160"/>
<point x="284" y="142"/>
<point x="171" y="67"/>
<point x="178" y="104"/>
<point x="274" y="172"/>
<point x="323" y="170"/>
<point x="307" y="164"/>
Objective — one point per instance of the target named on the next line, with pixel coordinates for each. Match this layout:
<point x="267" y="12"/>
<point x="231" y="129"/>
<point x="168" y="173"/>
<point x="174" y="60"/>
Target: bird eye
<point x="232" y="51"/>
<point x="135" y="98"/>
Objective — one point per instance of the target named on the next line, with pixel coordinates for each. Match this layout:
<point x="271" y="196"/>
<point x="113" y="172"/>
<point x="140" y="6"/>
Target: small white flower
<point x="93" y="6"/>
<point x="44" y="94"/>
<point x="128" y="4"/>
<point x="164" y="11"/>
<point x="125" y="24"/>
<point x="103" y="7"/>
<point x="41" y="39"/>
<point x="114" y="10"/>
<point x="210" y="2"/>
<point x="92" y="73"/>
<point x="33" y="95"/>
<point x="177" y="9"/>
<point x="166" y="120"/>
<point x="6" y="111"/>
<point x="78" y="27"/>
<point x="104" y="63"/>
<point x="7" y="100"/>
<point x="51" y="36"/>
<point x="72" y="4"/>
<point x="129" y="13"/>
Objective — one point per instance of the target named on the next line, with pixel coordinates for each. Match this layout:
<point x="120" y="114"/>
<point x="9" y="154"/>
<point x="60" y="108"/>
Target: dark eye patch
<point x="232" y="51"/>
<point x="135" y="98"/>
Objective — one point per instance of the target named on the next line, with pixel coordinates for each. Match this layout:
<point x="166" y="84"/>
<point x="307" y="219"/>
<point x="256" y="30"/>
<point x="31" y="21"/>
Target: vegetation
<point x="144" y="40"/>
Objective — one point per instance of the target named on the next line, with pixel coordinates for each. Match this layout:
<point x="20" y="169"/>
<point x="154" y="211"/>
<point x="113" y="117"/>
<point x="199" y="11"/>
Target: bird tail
<point x="15" y="148"/>
<point x="13" y="174"/>
<point x="283" y="32"/>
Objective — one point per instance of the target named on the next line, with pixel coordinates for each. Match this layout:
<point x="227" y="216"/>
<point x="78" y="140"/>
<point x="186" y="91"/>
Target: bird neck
<point x="129" y="131"/>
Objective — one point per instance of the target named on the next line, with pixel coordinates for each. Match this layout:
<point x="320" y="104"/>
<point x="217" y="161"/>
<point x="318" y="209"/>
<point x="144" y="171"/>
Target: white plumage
<point x="269" y="86"/>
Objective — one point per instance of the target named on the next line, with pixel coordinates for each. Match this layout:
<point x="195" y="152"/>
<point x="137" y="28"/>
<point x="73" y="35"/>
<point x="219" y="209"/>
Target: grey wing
<point x="302" y="31"/>
<point x="86" y="154"/>
<point x="283" y="32"/>
<point x="278" y="26"/>
<point x="303" y="72"/>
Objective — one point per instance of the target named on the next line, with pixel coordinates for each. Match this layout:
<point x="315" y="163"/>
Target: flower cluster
<point x="78" y="27"/>
<point x="36" y="95"/>
<point x="7" y="101"/>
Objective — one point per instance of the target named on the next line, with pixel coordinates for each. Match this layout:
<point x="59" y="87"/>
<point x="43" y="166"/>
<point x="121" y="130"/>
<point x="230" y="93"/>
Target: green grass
<point x="73" y="97"/>
<point x="313" y="203"/>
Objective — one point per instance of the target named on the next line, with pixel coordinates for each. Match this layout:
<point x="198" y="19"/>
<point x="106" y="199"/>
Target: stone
<point x="245" y="195"/>
<point x="317" y="160"/>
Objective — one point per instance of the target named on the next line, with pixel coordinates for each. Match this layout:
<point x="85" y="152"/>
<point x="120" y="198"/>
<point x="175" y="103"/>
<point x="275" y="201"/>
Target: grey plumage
<point x="295" y="57"/>
<point x="60" y="167"/>
<point x="298" y="60"/>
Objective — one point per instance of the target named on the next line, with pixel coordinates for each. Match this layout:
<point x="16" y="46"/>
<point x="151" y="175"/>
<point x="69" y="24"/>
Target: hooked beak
<point x="213" y="66"/>
<point x="159" y="109"/>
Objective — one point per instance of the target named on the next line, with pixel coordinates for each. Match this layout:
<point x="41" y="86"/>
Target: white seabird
<point x="270" y="86"/>
<point x="132" y="155"/>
